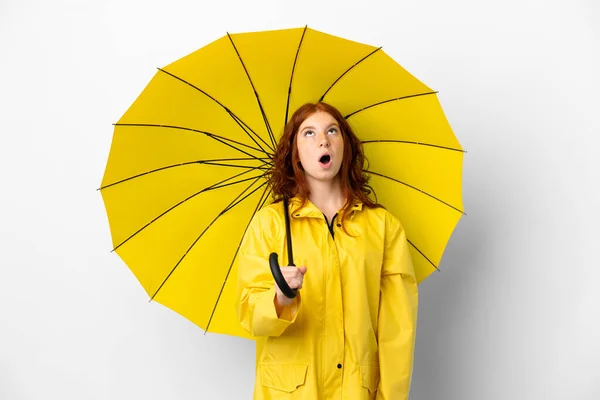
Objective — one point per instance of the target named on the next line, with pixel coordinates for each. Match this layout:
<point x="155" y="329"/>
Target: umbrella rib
<point x="240" y="123"/>
<point x="201" y="162"/>
<point x="217" y="185"/>
<point x="421" y="253"/>
<point x="262" y="111"/>
<point x="418" y="190"/>
<point x="231" y="114"/>
<point x="244" y="198"/>
<point x="229" y="207"/>
<point x="413" y="142"/>
<point x="287" y="105"/>
<point x="261" y="202"/>
<point x="388" y="101"/>
<point x="263" y="166"/>
<point x="348" y="70"/>
<point x="218" y="138"/>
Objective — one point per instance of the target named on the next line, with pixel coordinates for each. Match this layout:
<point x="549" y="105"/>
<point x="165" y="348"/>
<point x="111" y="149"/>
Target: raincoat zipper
<point x="323" y="367"/>
<point x="331" y="231"/>
<point x="330" y="227"/>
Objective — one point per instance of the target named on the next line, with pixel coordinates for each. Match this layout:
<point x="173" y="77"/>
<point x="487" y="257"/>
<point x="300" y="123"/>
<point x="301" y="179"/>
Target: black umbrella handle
<point x="279" y="279"/>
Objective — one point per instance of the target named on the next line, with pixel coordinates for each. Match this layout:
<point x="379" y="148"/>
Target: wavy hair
<point x="287" y="178"/>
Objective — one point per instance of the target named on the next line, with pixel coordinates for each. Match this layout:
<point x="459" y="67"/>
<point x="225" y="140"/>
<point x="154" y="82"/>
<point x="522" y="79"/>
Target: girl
<point x="350" y="331"/>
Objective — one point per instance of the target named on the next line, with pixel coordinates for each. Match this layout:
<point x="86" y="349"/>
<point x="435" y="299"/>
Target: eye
<point x="308" y="133"/>
<point x="332" y="131"/>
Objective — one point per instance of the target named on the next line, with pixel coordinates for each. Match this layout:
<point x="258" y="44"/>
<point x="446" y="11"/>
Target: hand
<point x="294" y="276"/>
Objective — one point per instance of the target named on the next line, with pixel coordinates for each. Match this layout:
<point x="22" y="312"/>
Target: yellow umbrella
<point x="185" y="173"/>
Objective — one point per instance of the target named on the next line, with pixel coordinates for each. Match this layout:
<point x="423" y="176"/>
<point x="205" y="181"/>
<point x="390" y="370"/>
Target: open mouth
<point x="325" y="159"/>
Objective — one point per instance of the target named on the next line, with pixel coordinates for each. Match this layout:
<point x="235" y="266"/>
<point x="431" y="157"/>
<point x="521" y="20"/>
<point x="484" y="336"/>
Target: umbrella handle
<point x="279" y="279"/>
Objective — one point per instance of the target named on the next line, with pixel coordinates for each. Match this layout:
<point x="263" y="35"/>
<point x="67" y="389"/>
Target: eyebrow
<point x="330" y="125"/>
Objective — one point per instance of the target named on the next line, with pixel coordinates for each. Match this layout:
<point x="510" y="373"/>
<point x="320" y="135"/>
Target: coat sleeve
<point x="397" y="322"/>
<point x="255" y="292"/>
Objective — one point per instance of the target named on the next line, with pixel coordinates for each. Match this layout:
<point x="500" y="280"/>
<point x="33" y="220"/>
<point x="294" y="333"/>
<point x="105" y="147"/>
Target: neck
<point x="327" y="196"/>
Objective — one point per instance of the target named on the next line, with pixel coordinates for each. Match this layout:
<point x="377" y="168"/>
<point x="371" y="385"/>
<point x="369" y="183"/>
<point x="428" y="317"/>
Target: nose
<point x="324" y="142"/>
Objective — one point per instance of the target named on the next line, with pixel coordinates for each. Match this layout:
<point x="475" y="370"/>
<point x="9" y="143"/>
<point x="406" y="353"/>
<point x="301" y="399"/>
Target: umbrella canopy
<point x="186" y="168"/>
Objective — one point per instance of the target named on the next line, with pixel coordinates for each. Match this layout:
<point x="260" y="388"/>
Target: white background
<point x="514" y="312"/>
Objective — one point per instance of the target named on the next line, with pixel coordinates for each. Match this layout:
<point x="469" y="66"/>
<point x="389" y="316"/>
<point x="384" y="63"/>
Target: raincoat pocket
<point x="287" y="377"/>
<point x="370" y="377"/>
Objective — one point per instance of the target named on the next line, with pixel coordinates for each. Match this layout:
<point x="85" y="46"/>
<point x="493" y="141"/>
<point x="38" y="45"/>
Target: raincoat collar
<point x="310" y="210"/>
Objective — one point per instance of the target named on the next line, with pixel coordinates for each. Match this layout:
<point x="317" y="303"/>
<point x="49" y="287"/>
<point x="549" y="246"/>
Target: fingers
<point x="294" y="276"/>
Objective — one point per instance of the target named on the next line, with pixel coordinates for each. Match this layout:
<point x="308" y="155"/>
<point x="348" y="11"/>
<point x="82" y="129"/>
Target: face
<point x="320" y="147"/>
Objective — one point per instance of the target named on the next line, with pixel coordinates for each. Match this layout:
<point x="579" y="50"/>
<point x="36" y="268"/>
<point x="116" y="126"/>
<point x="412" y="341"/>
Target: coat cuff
<point x="266" y="322"/>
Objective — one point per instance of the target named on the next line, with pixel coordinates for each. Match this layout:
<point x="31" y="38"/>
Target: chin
<point x="323" y="176"/>
<point x="327" y="177"/>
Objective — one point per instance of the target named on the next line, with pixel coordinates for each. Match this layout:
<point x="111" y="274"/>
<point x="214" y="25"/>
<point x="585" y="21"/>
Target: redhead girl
<point x="350" y="331"/>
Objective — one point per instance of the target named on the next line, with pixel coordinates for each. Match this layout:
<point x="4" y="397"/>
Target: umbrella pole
<point x="274" y="263"/>
<point x="288" y="235"/>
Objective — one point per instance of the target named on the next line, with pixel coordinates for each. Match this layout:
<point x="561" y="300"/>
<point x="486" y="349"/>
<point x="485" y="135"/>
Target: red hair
<point x="286" y="178"/>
